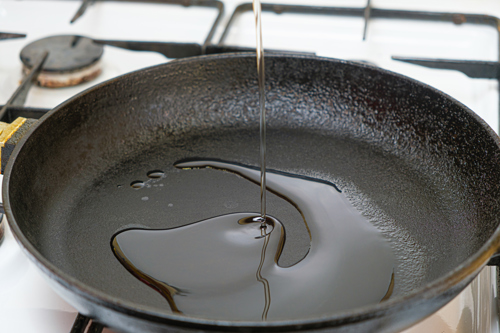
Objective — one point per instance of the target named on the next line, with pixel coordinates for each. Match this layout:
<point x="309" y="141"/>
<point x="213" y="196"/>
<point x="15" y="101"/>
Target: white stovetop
<point x="27" y="304"/>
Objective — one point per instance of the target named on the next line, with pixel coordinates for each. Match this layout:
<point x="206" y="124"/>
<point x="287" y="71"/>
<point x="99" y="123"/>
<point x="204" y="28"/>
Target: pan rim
<point x="464" y="272"/>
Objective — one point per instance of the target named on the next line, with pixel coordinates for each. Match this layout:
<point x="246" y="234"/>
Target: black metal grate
<point x="471" y="68"/>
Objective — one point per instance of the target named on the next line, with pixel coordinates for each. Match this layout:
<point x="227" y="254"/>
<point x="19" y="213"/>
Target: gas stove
<point x="465" y="31"/>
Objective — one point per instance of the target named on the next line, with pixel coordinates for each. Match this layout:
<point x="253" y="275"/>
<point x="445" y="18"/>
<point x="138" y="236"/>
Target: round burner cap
<point x="66" y="53"/>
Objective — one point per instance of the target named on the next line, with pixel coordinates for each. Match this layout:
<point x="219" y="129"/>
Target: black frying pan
<point x="421" y="166"/>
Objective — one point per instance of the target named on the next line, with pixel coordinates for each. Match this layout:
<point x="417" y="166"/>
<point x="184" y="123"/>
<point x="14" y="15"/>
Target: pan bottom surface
<point x="414" y="211"/>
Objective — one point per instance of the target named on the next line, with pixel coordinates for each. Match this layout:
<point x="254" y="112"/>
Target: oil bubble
<point x="155" y="174"/>
<point x="138" y="184"/>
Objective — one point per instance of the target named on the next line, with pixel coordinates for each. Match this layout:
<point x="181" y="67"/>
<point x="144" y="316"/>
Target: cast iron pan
<point x="421" y="166"/>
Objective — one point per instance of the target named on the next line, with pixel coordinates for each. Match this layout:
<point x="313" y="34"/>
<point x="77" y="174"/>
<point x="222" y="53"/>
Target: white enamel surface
<point x="27" y="304"/>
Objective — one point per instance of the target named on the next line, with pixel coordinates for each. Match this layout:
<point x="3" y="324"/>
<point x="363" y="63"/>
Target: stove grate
<point x="473" y="69"/>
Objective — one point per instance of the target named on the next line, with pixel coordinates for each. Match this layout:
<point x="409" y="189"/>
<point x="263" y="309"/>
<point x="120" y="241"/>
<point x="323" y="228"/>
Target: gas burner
<point x="72" y="60"/>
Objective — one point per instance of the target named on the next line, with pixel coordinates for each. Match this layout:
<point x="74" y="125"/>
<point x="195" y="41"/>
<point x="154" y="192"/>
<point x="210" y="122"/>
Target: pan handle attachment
<point x="10" y="134"/>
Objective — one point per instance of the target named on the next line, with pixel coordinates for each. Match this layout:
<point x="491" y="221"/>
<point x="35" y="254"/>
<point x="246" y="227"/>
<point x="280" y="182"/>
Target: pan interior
<point x="422" y="189"/>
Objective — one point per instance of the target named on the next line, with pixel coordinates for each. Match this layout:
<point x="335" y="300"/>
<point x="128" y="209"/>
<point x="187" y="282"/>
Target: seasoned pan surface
<point x="420" y="166"/>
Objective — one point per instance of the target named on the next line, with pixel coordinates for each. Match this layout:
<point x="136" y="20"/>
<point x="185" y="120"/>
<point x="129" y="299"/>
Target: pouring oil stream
<point x="257" y="9"/>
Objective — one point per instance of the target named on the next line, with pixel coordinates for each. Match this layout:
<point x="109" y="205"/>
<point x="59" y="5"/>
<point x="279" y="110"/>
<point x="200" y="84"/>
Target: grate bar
<point x="186" y="3"/>
<point x="10" y="35"/>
